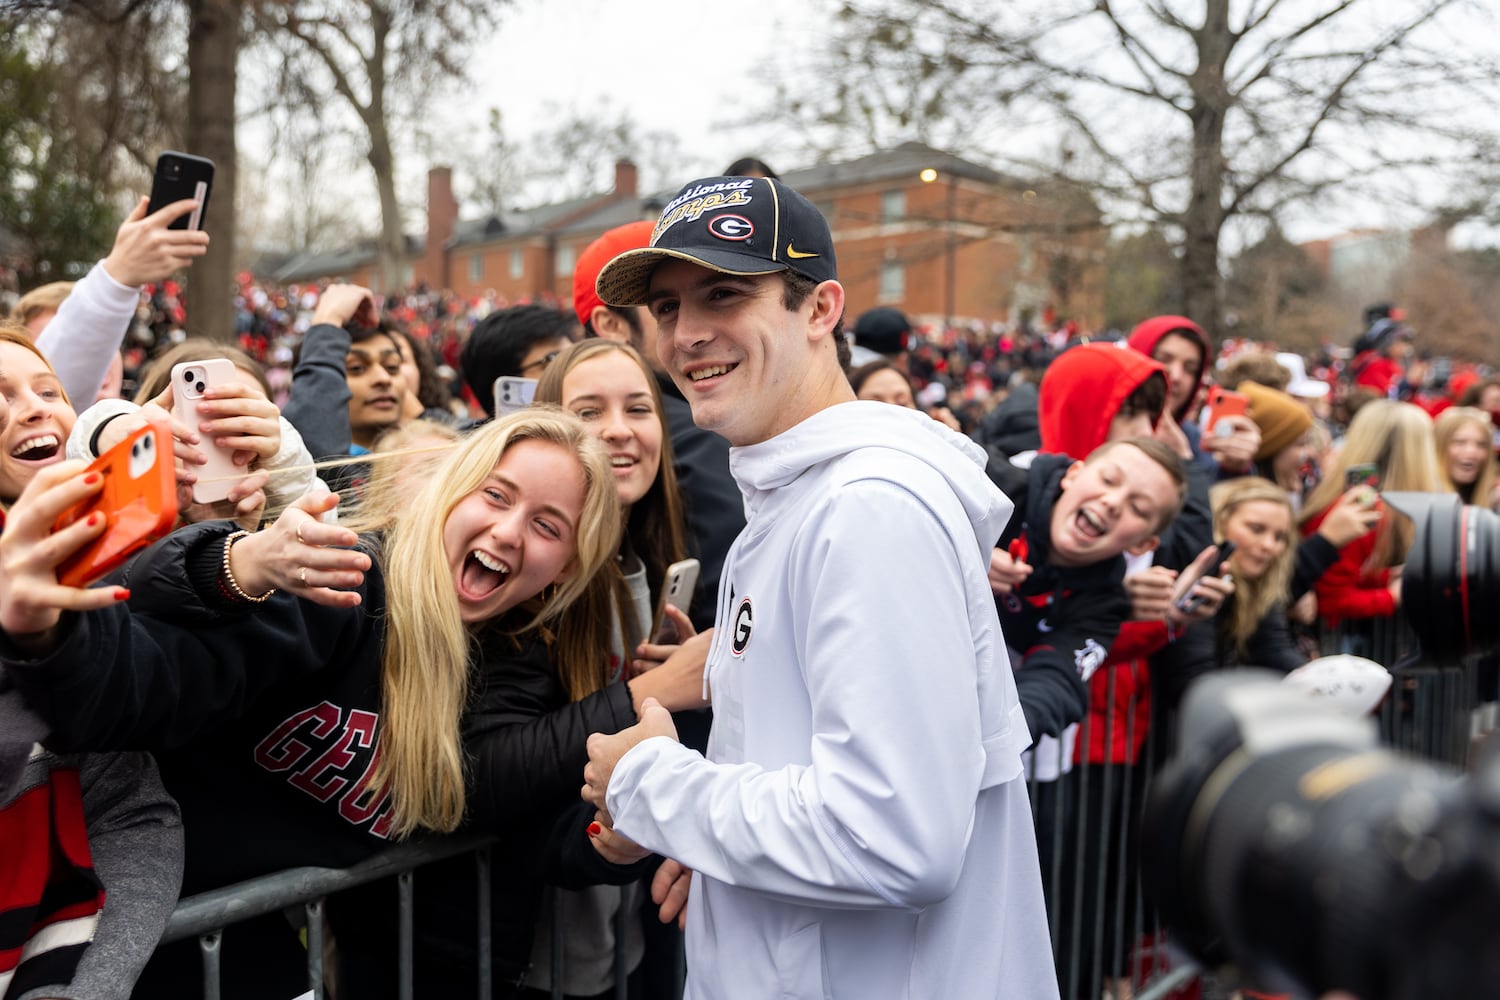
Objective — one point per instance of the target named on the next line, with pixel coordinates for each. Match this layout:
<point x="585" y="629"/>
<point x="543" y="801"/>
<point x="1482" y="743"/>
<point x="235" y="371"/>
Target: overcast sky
<point x="681" y="66"/>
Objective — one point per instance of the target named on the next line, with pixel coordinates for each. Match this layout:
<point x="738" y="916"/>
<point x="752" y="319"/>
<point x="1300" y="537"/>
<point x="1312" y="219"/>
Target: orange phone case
<point x="1223" y="403"/>
<point x="138" y="500"/>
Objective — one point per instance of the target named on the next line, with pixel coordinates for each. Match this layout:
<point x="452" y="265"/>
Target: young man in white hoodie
<point x="859" y="826"/>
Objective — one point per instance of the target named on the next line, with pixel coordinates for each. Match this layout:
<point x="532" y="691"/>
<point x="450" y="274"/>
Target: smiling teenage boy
<point x="856" y="645"/>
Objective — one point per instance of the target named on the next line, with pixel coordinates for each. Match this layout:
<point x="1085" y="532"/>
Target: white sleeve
<point x="81" y="438"/>
<point x="881" y="816"/>
<point x="83" y="337"/>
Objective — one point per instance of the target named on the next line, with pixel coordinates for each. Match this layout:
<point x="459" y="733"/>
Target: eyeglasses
<point x="540" y="364"/>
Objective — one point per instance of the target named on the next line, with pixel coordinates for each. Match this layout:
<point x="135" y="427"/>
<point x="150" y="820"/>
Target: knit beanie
<point x="1281" y="419"/>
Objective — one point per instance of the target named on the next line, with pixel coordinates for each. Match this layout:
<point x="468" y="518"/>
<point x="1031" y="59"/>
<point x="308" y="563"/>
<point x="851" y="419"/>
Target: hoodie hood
<point x="1083" y="390"/>
<point x="1148" y="334"/>
<point x="838" y="430"/>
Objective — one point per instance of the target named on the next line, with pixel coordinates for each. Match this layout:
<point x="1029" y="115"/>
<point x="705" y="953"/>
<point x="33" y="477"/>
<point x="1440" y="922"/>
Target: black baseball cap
<point x="733" y="225"/>
<point x="884" y="330"/>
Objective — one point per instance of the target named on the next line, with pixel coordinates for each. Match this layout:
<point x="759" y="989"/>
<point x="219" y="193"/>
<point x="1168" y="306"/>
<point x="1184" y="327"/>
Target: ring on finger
<point x="303" y="576"/>
<point x="299" y="532"/>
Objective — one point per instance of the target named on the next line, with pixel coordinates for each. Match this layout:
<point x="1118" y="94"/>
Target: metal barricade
<point x="205" y="915"/>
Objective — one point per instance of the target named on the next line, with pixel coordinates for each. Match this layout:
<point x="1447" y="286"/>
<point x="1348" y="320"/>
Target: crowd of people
<point x="414" y="605"/>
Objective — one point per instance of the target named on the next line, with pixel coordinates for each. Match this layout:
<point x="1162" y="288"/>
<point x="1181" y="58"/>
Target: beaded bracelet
<point x="227" y="577"/>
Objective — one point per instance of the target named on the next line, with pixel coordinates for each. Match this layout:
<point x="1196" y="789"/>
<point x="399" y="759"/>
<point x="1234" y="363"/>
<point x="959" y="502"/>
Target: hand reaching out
<point x="1006" y="572"/>
<point x="302" y="555"/>
<point x="147" y="251"/>
<point x="605" y="751"/>
<point x="31" y="599"/>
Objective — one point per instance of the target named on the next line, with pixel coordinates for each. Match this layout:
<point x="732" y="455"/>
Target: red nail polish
<point x="95" y="518"/>
<point x="92" y="478"/>
<point x="121" y="594"/>
<point x="595" y="829"/>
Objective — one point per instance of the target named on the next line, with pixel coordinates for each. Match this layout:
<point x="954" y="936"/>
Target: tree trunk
<point x="213" y="47"/>
<point x="1203" y="221"/>
<point x="392" y="244"/>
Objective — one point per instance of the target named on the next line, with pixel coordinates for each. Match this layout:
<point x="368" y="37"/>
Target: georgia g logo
<point x="743" y="623"/>
<point x="731" y="227"/>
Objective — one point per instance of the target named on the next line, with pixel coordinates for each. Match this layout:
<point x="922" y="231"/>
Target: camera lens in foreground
<point x="1283" y="838"/>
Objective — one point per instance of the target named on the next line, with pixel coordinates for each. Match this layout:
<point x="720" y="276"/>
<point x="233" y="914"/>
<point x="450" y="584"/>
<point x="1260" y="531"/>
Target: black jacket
<point x="266" y="718"/>
<point x="1062" y="620"/>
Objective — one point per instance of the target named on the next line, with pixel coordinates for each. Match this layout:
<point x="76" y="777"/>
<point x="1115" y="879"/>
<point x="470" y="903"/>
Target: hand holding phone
<point x="138" y="501"/>
<point x="190" y="380"/>
<point x="1222" y="404"/>
<point x="181" y="176"/>
<point x="1190" y="602"/>
<point x="676" y="590"/>
<point x="1362" y="474"/>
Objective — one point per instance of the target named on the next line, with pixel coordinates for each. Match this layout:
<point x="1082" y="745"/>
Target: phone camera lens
<point x="187" y="376"/>
<point x="199" y="387"/>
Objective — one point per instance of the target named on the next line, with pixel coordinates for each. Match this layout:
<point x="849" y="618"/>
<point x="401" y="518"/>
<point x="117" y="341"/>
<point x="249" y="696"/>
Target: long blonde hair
<point x="1253" y="599"/>
<point x="425" y="666"/>
<point x="1444" y="428"/>
<point x="1397" y="439"/>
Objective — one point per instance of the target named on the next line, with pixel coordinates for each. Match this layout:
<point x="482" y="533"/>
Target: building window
<point x="564" y="262"/>
<point x="517" y="263"/>
<point x="893" y="206"/>
<point x="476" y="269"/>
<point x="892" y="281"/>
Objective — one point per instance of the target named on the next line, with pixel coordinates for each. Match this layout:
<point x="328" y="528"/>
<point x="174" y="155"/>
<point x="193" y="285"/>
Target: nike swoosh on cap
<point x="797" y="254"/>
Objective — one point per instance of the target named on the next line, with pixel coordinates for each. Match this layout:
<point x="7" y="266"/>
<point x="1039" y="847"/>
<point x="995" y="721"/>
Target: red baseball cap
<point x="631" y="236"/>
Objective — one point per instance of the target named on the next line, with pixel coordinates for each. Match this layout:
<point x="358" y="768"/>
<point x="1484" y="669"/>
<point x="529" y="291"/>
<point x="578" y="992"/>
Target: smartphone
<point x="138" y="500"/>
<point x="513" y="393"/>
<point x="179" y="176"/>
<point x="1363" y="474"/>
<point x="1190" y="602"/>
<point x="677" y="590"/>
<point x="190" y="380"/>
<point x="1222" y="404"/>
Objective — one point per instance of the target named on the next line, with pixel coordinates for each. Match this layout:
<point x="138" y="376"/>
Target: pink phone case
<point x="189" y="381"/>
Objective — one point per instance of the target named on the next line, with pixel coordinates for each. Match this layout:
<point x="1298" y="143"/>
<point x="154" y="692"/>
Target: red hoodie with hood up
<point x="1148" y="334"/>
<point x="1082" y="391"/>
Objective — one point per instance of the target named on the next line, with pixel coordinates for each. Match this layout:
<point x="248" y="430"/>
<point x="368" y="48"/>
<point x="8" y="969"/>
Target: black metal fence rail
<point x="1106" y="939"/>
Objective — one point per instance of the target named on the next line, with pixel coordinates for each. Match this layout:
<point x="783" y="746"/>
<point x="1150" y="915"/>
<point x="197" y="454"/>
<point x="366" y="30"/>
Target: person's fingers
<point x="313" y="532"/>
<point x="139" y="212"/>
<point x="164" y="217"/>
<point x="682" y="622"/>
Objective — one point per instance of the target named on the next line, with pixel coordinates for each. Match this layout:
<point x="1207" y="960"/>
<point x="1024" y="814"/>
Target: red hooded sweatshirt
<point x="1082" y="391"/>
<point x="1148" y="334"/>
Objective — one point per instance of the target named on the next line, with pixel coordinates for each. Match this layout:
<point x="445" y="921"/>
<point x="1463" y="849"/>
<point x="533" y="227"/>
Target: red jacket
<point x="1345" y="590"/>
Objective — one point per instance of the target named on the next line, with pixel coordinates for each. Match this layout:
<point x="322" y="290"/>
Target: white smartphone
<point x="677" y="590"/>
<point x="190" y="380"/>
<point x="513" y="393"/>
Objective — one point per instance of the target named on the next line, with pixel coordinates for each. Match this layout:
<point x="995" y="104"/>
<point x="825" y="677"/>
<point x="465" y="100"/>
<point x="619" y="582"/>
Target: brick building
<point x="929" y="232"/>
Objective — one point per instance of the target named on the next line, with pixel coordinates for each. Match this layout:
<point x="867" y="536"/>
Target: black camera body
<point x="1284" y="838"/>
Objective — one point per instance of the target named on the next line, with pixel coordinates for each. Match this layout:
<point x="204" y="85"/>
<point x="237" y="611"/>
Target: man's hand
<point x="146" y="251"/>
<point x="605" y="752"/>
<point x="339" y="304"/>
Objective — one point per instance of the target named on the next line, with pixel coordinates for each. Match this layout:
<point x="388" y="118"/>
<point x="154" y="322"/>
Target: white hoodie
<point x="860" y="827"/>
